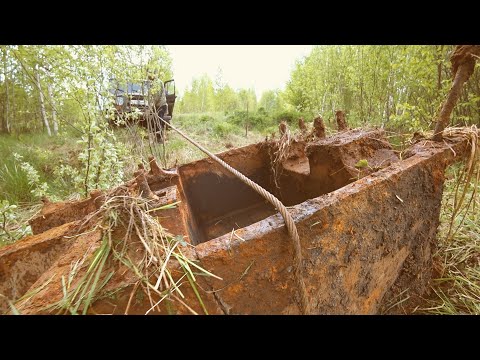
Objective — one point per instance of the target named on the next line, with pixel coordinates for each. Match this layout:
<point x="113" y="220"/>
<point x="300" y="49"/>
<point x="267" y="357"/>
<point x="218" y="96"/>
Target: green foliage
<point x="271" y="101"/>
<point x="238" y="118"/>
<point x="200" y="97"/>
<point x="400" y="87"/>
<point x="14" y="184"/>
<point x="11" y="228"/>
<point x="223" y="129"/>
<point x="363" y="163"/>
<point x="290" y="117"/>
<point x="78" y="77"/>
<point x="204" y="95"/>
<point x="17" y="179"/>
<point x="101" y="161"/>
<point x="62" y="163"/>
<point x="206" y="118"/>
<point x="38" y="188"/>
<point x="261" y="120"/>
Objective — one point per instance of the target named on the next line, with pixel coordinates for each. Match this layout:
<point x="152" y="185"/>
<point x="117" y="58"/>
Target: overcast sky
<point x="261" y="67"/>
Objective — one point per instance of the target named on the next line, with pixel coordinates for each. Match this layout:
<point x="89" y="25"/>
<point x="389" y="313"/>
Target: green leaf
<point x="362" y="163"/>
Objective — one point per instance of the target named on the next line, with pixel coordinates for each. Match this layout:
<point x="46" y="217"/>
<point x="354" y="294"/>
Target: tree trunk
<point x="387" y="110"/>
<point x="439" y="69"/>
<point x="444" y="118"/>
<point x="13" y="110"/>
<point x="54" y="110"/>
<point x="362" y="117"/>
<point x="6" y="124"/>
<point x="246" y="122"/>
<point x="7" y="107"/>
<point x="6" y="120"/>
<point x="476" y="82"/>
<point x="361" y="102"/>
<point x="42" y="104"/>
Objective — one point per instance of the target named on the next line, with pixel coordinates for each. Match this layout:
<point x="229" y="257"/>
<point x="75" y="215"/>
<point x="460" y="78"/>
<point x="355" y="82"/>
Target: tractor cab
<point x="139" y="97"/>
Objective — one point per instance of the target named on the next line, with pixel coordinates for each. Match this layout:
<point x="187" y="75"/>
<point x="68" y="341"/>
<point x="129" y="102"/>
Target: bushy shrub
<point x="261" y="119"/>
<point x="206" y="118"/>
<point x="223" y="128"/>
<point x="11" y="228"/>
<point x="37" y="187"/>
<point x="238" y="118"/>
<point x="291" y="117"/>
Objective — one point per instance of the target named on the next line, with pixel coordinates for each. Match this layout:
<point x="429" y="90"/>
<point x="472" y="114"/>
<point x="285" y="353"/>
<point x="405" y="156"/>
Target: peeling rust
<point x="367" y="233"/>
<point x="341" y="121"/>
<point x="319" y="127"/>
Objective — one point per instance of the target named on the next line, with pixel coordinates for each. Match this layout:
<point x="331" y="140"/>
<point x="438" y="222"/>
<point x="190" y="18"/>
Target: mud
<point x="319" y="127"/>
<point x="56" y="214"/>
<point x="23" y="262"/>
<point x="356" y="241"/>
<point x="341" y="121"/>
<point x="220" y="202"/>
<point x="367" y="232"/>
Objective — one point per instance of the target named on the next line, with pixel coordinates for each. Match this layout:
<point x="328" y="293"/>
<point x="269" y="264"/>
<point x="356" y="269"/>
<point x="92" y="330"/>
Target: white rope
<point x="289" y="222"/>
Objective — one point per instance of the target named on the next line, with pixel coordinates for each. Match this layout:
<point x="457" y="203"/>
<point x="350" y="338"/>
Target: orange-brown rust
<point x="157" y="171"/>
<point x="367" y="234"/>
<point x="319" y="127"/>
<point x="352" y="263"/>
<point x="23" y="262"/>
<point x="302" y="126"/>
<point x="341" y="120"/>
<point x="142" y="185"/>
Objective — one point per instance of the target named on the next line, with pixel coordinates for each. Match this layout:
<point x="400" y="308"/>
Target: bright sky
<point x="261" y="67"/>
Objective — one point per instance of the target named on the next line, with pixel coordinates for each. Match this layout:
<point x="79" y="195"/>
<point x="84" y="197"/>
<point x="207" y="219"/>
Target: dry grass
<point x="457" y="260"/>
<point x="89" y="275"/>
<point x="278" y="151"/>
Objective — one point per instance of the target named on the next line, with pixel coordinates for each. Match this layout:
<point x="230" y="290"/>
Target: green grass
<point x="213" y="130"/>
<point x="14" y="185"/>
<point x="44" y="153"/>
<point x="457" y="260"/>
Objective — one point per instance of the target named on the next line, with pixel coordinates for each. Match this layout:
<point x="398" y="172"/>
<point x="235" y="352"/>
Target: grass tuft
<point x="457" y="260"/>
<point x="143" y="234"/>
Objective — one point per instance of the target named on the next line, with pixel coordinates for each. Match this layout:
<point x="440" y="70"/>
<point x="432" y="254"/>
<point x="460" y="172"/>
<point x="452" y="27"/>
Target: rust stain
<point x="361" y="245"/>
